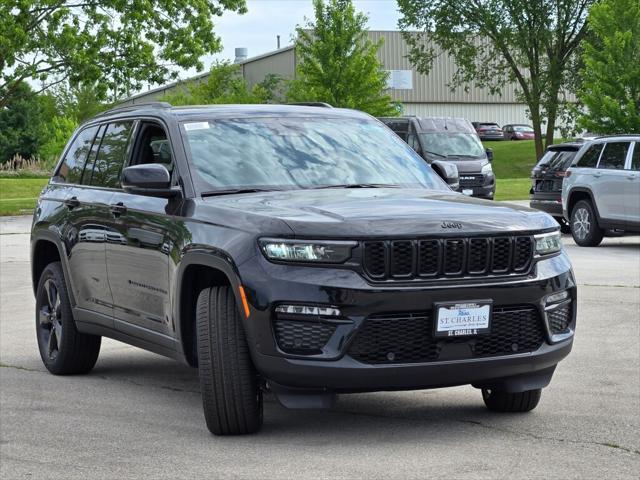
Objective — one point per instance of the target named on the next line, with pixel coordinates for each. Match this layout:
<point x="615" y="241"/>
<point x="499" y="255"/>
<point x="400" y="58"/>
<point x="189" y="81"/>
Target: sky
<point x="257" y="29"/>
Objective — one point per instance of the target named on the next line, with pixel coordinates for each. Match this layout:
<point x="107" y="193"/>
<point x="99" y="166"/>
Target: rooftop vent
<point x="241" y="54"/>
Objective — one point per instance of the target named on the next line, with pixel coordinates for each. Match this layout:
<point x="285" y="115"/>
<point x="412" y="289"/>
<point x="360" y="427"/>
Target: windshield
<point x="452" y="144"/>
<point x="557" y="159"/>
<point x="299" y="153"/>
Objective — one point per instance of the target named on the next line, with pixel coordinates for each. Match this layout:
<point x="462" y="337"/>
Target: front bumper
<point x="334" y="370"/>
<point x="486" y="190"/>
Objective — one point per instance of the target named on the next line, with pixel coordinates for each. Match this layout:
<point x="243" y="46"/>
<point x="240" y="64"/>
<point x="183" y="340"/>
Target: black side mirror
<point x="489" y="153"/>
<point x="448" y="171"/>
<point x="152" y="179"/>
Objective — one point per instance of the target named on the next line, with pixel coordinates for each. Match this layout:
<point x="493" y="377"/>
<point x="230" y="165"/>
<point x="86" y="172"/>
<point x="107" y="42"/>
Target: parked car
<point x="488" y="131"/>
<point x="601" y="191"/>
<point x="301" y="251"/>
<point x="518" y="132"/>
<point x="546" y="180"/>
<point x="453" y="140"/>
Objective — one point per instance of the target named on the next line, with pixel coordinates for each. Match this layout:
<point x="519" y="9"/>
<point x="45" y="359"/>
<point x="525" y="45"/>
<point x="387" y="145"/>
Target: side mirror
<point x="448" y="171"/>
<point x="151" y="179"/>
<point x="489" y="153"/>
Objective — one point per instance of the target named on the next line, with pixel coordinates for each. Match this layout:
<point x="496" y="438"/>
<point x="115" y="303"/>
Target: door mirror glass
<point x="152" y="179"/>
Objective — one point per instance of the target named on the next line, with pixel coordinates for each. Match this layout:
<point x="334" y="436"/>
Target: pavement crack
<point x="607" y="285"/>
<point x="549" y="438"/>
<point x="18" y="367"/>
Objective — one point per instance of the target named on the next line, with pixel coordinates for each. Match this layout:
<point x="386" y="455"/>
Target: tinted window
<point x="302" y="153"/>
<point x="111" y="156"/>
<point x="70" y="170"/>
<point x="614" y="155"/>
<point x="635" y="159"/>
<point x="91" y="159"/>
<point x="590" y="157"/>
<point x="557" y="159"/>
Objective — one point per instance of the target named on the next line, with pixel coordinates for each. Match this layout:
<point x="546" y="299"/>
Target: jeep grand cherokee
<point x="298" y="250"/>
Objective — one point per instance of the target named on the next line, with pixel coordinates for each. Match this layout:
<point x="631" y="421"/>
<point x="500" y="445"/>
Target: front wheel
<point x="64" y="350"/>
<point x="497" y="401"/>
<point x="584" y="225"/>
<point x="231" y="394"/>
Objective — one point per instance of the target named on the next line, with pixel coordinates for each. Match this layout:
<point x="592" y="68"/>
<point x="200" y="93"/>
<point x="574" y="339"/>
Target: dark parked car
<point x="546" y="180"/>
<point x="449" y="140"/>
<point x="297" y="250"/>
<point x="488" y="131"/>
<point x="518" y="132"/>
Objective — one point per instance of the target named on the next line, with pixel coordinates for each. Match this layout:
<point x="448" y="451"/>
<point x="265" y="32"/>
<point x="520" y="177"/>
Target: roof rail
<point x="311" y="104"/>
<point x="134" y="106"/>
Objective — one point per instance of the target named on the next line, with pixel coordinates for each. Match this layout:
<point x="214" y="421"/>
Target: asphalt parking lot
<point x="138" y="415"/>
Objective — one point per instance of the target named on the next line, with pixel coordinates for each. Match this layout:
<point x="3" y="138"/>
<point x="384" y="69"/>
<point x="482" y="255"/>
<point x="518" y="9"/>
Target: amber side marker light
<point x="245" y="305"/>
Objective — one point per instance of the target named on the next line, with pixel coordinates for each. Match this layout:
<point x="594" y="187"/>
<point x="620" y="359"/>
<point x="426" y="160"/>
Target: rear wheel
<point x="64" y="350"/>
<point x="584" y="225"/>
<point x="497" y="401"/>
<point x="231" y="394"/>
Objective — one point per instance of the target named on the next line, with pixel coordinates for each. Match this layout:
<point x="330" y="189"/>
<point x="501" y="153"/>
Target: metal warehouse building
<point x="422" y="95"/>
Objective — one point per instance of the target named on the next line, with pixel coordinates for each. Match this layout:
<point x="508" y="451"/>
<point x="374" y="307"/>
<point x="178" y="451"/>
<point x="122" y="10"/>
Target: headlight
<point x="487" y="168"/>
<point x="547" y="243"/>
<point x="319" y="251"/>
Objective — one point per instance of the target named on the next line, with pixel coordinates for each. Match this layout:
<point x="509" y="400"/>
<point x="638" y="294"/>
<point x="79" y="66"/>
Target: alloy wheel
<point x="581" y="223"/>
<point x="50" y="321"/>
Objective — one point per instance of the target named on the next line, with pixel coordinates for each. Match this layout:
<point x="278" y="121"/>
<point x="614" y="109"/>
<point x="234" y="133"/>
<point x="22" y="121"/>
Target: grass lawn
<point x="512" y="188"/>
<point x="18" y="195"/>
<point x="513" y="159"/>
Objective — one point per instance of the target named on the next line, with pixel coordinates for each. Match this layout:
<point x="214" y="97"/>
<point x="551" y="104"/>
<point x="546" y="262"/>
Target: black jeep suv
<point x="298" y="250"/>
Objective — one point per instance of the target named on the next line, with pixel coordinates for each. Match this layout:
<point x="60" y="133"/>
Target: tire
<point x="231" y="394"/>
<point x="584" y="225"/>
<point x="511" y="402"/>
<point x="64" y="350"/>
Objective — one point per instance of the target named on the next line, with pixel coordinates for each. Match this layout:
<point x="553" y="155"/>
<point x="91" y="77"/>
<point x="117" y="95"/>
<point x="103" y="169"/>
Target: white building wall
<point x="501" y="113"/>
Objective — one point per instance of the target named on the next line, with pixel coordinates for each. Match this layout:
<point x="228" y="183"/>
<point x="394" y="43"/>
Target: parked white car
<point x="601" y="191"/>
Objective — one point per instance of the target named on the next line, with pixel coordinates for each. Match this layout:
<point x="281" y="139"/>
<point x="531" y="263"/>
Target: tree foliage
<point x="532" y="43"/>
<point x="610" y="79"/>
<point x="21" y="125"/>
<point x="123" y="44"/>
<point x="225" y="85"/>
<point x="337" y="63"/>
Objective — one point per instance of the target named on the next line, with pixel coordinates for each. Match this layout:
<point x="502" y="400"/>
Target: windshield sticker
<point x="196" y="126"/>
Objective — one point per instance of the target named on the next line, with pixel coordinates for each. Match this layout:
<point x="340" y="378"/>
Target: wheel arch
<point x="199" y="270"/>
<point x="581" y="193"/>
<point x="45" y="250"/>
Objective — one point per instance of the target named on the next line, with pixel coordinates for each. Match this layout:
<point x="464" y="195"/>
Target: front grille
<point x="302" y="337"/>
<point x="408" y="337"/>
<point x="471" y="180"/>
<point x="559" y="318"/>
<point x="408" y="259"/>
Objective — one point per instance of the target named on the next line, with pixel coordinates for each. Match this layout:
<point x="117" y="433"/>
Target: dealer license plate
<point x="467" y="191"/>
<point x="463" y="319"/>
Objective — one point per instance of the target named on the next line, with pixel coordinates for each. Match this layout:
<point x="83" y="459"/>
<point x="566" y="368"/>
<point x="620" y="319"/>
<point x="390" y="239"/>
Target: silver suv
<point x="601" y="192"/>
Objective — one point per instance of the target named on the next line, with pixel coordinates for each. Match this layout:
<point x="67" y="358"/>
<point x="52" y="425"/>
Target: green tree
<point x="610" y="79"/>
<point x="121" y="44"/>
<point x="532" y="43"/>
<point x="337" y="63"/>
<point x="21" y="125"/>
<point x="224" y="85"/>
<point x="57" y="133"/>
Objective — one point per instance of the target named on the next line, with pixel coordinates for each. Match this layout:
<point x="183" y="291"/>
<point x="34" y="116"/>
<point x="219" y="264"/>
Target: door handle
<point x="118" y="209"/>
<point x="597" y="174"/>
<point x="72" y="203"/>
<point x="631" y="176"/>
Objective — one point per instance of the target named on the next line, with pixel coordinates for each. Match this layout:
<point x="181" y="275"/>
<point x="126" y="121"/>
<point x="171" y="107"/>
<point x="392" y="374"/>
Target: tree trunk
<point x="537" y="131"/>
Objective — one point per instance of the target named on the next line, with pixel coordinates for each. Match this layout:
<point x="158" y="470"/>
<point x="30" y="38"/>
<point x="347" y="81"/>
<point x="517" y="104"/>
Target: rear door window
<point x="111" y="155"/>
<point x="91" y="159"/>
<point x="635" y="159"/>
<point x="614" y="155"/>
<point x="71" y="168"/>
<point x="591" y="156"/>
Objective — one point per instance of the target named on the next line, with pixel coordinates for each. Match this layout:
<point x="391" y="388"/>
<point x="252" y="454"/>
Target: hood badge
<point x="457" y="225"/>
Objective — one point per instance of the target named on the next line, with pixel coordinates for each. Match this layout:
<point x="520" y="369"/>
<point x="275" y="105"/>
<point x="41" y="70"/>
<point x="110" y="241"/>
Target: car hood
<point x="377" y="212"/>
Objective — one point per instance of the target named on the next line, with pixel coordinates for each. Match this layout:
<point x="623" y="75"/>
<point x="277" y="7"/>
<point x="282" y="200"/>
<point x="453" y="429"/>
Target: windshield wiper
<point x="436" y="153"/>
<point x="357" y="185"/>
<point x="233" y="191"/>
